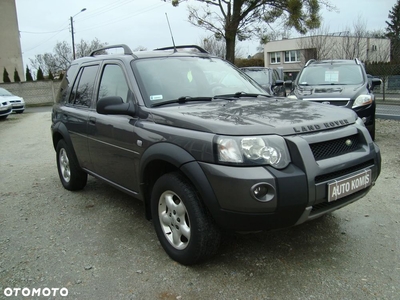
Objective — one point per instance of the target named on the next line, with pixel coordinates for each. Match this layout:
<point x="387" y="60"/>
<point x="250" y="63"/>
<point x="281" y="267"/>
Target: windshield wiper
<point x="240" y="94"/>
<point x="182" y="99"/>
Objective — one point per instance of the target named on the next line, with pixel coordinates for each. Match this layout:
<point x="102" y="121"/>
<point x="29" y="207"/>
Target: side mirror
<point x="375" y="82"/>
<point x="114" y="105"/>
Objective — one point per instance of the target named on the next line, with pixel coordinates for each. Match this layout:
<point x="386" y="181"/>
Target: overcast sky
<point x="43" y="23"/>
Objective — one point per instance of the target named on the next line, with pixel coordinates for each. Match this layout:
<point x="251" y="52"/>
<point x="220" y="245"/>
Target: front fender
<point x="181" y="160"/>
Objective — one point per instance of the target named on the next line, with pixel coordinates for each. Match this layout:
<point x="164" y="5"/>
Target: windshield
<point x="4" y="92"/>
<point x="171" y="78"/>
<point x="259" y="75"/>
<point x="331" y="74"/>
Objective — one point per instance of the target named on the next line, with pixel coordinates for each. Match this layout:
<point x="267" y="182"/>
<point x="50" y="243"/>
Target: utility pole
<point x="72" y="32"/>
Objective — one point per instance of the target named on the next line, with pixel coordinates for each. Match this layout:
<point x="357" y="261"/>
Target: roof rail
<point x="310" y="61"/>
<point x="200" y="49"/>
<point x="127" y="50"/>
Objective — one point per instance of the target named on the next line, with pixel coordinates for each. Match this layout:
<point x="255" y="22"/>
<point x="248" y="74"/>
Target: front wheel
<point x="71" y="175"/>
<point x="183" y="225"/>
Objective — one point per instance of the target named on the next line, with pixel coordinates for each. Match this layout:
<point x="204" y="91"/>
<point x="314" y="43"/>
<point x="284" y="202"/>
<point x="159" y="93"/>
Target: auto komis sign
<point x="341" y="188"/>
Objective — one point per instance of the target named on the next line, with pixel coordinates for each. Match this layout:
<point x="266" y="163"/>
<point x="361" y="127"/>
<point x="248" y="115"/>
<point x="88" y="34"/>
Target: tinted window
<point x="259" y="75"/>
<point x="66" y="84"/>
<point x="174" y="77"/>
<point x="113" y="83"/>
<point x="331" y="74"/>
<point x="82" y="95"/>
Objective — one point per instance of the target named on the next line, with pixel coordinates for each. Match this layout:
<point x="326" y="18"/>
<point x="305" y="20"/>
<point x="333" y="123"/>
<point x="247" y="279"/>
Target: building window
<point x="275" y="57"/>
<point x="292" y="56"/>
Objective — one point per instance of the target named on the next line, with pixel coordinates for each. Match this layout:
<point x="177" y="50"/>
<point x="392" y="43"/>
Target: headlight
<point x="258" y="150"/>
<point x="292" y="97"/>
<point x="362" y="100"/>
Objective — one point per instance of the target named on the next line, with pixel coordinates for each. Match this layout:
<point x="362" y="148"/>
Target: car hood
<point x="254" y="117"/>
<point x="10" y="98"/>
<point x="328" y="91"/>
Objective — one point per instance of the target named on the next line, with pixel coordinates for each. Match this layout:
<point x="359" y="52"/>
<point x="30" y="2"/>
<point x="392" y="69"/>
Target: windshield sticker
<point x="332" y="76"/>
<point x="156" y="97"/>
<point x="189" y="76"/>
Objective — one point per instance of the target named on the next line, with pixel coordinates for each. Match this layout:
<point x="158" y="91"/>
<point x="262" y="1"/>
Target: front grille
<point x="335" y="103"/>
<point x="333" y="175"/>
<point x="335" y="147"/>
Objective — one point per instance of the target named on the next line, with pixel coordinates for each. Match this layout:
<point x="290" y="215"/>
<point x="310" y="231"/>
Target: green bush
<point x="6" y="78"/>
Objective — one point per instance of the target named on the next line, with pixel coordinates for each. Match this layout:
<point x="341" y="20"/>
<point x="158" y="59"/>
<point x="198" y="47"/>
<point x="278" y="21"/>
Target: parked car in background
<point x="338" y="82"/>
<point x="270" y="79"/>
<point x="5" y="109"/>
<point x="17" y="103"/>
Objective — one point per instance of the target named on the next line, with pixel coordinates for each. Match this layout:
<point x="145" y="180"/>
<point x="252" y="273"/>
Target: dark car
<point x="341" y="83"/>
<point x="204" y="147"/>
<point x="270" y="79"/>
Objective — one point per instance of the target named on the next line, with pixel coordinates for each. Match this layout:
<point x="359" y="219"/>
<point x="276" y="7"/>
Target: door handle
<point x="92" y="120"/>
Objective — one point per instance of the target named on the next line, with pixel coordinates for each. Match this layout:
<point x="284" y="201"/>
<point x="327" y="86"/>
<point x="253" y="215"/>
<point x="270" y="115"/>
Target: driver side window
<point x="113" y="83"/>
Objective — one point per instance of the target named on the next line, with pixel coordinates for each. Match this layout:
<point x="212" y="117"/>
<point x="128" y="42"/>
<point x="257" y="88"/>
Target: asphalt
<point x="388" y="108"/>
<point x="388" y="111"/>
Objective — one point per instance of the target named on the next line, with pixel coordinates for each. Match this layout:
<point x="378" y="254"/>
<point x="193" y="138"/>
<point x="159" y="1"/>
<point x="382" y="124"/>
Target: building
<point x="292" y="54"/>
<point x="10" y="45"/>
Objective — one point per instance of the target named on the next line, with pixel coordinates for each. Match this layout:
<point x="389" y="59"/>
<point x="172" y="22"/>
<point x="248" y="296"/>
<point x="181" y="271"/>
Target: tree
<point x="50" y="77"/>
<point x="84" y="48"/>
<point x="393" y="31"/>
<point x="16" y="76"/>
<point x="243" y="19"/>
<point x="213" y="46"/>
<point x="61" y="57"/>
<point x="350" y="43"/>
<point x="28" y="74"/>
<point x="39" y="75"/>
<point x="6" y="78"/>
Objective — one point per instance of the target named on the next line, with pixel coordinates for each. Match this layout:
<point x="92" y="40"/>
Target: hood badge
<point x="321" y="126"/>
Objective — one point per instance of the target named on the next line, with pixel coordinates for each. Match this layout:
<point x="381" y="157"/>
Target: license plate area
<point x="341" y="188"/>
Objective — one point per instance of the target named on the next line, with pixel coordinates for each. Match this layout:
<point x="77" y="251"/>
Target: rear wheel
<point x="71" y="175"/>
<point x="183" y="225"/>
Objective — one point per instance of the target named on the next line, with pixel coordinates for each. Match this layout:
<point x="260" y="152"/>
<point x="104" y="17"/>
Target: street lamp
<point x="72" y="31"/>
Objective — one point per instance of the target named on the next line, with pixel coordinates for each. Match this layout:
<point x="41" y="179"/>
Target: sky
<point x="43" y="23"/>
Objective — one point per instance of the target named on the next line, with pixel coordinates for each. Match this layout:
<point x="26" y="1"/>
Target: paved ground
<point x="98" y="245"/>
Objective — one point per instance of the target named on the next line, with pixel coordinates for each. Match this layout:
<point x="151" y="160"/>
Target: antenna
<point x="172" y="37"/>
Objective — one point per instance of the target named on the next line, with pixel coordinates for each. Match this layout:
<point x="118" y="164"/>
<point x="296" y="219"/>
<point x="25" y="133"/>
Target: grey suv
<point x="203" y="146"/>
<point x="339" y="82"/>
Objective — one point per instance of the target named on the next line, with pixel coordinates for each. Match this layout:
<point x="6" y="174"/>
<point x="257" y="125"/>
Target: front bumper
<point x="300" y="191"/>
<point x="5" y="111"/>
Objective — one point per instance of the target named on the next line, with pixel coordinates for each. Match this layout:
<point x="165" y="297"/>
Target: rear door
<point x="76" y="110"/>
<point x="112" y="146"/>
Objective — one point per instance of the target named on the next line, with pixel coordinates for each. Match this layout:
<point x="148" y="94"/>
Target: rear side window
<point x="66" y="84"/>
<point x="82" y="92"/>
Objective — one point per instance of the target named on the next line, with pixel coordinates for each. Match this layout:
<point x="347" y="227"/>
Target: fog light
<point x="364" y="119"/>
<point x="263" y="192"/>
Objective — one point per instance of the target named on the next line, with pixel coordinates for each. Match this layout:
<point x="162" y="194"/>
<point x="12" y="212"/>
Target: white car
<point x="5" y="109"/>
<point x="17" y="103"/>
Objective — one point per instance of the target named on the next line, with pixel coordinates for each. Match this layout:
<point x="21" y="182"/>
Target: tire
<point x="184" y="227"/>
<point x="71" y="175"/>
